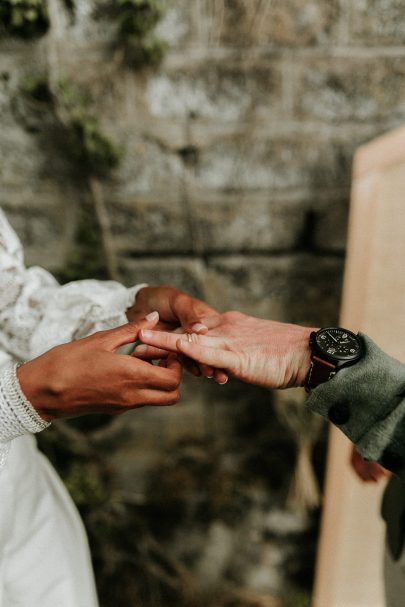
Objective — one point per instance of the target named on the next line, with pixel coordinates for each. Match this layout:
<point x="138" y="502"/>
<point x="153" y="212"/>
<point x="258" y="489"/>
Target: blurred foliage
<point x="86" y="259"/>
<point x="76" y="136"/>
<point x="80" y="139"/>
<point x="131" y="565"/>
<point x="299" y="599"/>
<point x="137" y="20"/>
<point x="134" y="539"/>
<point x="88" y="146"/>
<point x="36" y="87"/>
<point x="24" y="18"/>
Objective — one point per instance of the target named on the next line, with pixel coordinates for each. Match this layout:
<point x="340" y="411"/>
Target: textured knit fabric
<point x="372" y="395"/>
<point x="17" y="415"/>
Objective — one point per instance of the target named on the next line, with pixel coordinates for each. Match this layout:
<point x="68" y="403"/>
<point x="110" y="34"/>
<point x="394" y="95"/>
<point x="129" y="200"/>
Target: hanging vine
<point x="93" y="153"/>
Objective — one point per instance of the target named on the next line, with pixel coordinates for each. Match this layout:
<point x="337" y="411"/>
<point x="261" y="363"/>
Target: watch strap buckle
<point x="320" y="372"/>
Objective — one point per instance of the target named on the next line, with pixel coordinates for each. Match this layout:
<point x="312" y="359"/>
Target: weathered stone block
<point x="19" y="156"/>
<point x="258" y="161"/>
<point x="177" y="27"/>
<point x="147" y="166"/>
<point x="360" y="89"/>
<point x="279" y="23"/>
<point x="225" y="91"/>
<point x="187" y="274"/>
<point x="45" y="230"/>
<point x="247" y="222"/>
<point x="378" y="21"/>
<point x="299" y="288"/>
<point x="330" y="223"/>
<point x="151" y="224"/>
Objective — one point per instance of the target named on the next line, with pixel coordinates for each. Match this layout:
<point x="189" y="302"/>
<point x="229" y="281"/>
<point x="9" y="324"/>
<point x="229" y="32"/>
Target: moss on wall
<point x="24" y="18"/>
<point x="137" y="20"/>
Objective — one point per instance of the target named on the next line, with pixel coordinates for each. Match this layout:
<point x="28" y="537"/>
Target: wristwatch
<point x="332" y="349"/>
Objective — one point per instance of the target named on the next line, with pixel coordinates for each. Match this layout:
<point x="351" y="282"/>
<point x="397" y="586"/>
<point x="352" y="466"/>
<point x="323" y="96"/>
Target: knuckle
<point x="233" y="315"/>
<point x="173" y="398"/>
<point x="173" y="384"/>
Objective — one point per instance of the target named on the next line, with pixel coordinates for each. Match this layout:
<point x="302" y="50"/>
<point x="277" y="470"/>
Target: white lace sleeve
<point x="36" y="313"/>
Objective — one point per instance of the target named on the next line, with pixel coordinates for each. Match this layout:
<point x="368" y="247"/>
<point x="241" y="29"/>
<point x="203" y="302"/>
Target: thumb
<point x="127" y="334"/>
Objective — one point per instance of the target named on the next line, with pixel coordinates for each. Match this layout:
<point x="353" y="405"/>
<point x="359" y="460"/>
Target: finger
<point x="149" y="352"/>
<point x="220" y="377"/>
<point x="215" y="357"/>
<point x="173" y="364"/>
<point x="211" y="321"/>
<point x="206" y="370"/>
<point x="159" y="339"/>
<point x="126" y="334"/>
<point x="144" y="375"/>
<point x="189" y="365"/>
<point x="154" y="398"/>
<point x="168" y="341"/>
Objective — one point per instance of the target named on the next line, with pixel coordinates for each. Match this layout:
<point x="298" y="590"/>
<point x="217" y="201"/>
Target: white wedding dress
<point x="44" y="556"/>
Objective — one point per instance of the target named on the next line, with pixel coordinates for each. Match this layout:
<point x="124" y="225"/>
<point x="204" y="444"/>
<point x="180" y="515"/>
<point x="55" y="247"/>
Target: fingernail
<point x="222" y="383"/>
<point x="140" y="349"/>
<point x="199" y="327"/>
<point x="152" y="316"/>
<point x="209" y="376"/>
<point x="145" y="333"/>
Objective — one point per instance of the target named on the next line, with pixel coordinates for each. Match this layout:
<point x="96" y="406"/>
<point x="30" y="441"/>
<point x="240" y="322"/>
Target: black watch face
<point x="339" y="344"/>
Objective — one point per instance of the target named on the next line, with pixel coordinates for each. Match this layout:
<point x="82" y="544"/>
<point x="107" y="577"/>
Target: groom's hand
<point x="262" y="352"/>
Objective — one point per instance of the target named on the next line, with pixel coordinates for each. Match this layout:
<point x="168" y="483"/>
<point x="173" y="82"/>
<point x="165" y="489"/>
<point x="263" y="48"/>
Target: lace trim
<point x="17" y="415"/>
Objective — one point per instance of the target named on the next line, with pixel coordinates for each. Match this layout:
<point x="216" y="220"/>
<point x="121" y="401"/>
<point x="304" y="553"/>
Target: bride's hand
<point x="88" y="376"/>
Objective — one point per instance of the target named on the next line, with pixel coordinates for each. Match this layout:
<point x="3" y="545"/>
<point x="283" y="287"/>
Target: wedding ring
<point x="192" y="338"/>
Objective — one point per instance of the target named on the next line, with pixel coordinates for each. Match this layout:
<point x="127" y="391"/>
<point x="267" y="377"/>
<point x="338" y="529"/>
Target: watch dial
<point x="339" y="343"/>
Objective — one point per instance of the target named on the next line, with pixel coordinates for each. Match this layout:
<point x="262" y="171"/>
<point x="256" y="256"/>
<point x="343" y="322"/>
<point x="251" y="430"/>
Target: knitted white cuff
<point x="17" y="415"/>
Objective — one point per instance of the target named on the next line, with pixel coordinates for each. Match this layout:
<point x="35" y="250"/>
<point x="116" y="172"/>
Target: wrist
<point x="18" y="414"/>
<point x="302" y="356"/>
<point x="32" y="389"/>
<point x="292" y="355"/>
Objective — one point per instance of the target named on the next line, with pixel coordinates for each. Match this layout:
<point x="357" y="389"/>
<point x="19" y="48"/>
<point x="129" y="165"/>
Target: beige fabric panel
<point x="349" y="567"/>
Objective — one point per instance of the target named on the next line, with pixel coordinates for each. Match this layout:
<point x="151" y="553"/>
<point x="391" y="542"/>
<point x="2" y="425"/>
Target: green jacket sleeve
<point x="367" y="402"/>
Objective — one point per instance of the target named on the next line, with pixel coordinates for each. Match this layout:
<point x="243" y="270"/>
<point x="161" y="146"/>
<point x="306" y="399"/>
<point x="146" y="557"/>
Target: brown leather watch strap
<point x="320" y="372"/>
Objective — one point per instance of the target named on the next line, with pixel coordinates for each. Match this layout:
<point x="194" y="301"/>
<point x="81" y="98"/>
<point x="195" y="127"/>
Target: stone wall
<point x="234" y="186"/>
